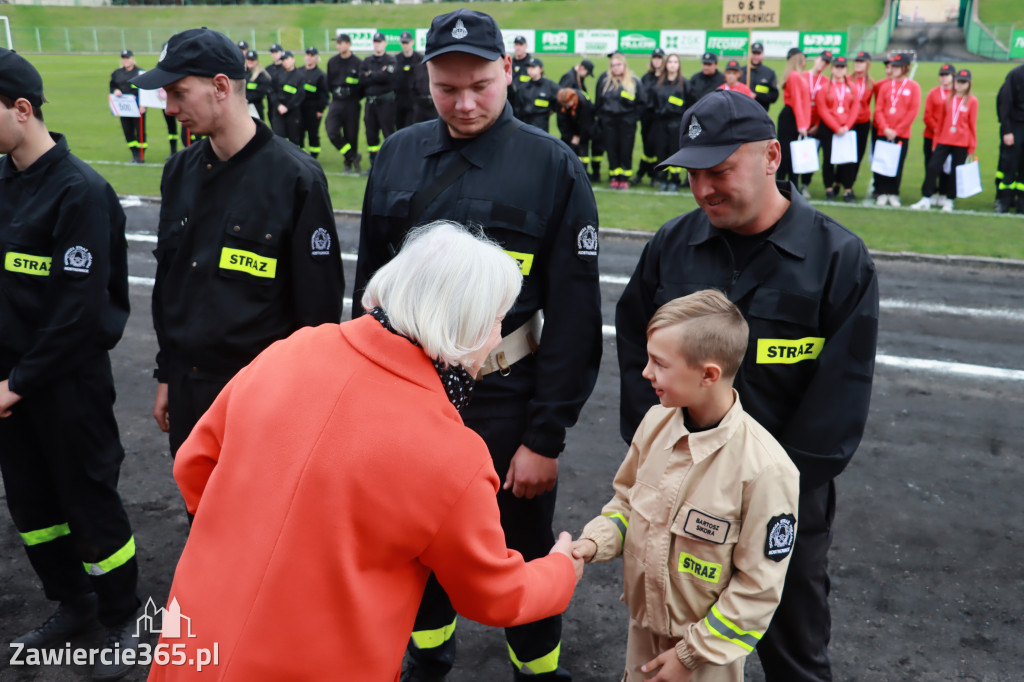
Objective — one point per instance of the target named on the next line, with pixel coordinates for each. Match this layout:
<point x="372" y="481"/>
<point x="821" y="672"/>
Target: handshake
<point x="578" y="551"/>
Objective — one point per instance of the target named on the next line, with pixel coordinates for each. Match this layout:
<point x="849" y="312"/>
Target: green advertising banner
<point x="555" y="42"/>
<point x="394" y="35"/>
<point x="1017" y="45"/>
<point x="728" y="43"/>
<point x="638" y="42"/>
<point x="814" y="44"/>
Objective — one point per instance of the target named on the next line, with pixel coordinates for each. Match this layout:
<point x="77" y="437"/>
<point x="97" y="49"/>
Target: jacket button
<point x="195" y="369"/>
<point x="209" y="166"/>
<point x="195" y="264"/>
<point x="236" y="228"/>
<point x="270" y="236"/>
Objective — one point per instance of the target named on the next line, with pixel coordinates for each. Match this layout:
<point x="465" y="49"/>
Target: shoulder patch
<point x="320" y="243"/>
<point x="586" y="242"/>
<point x="78" y="259"/>
<point x="781" y="536"/>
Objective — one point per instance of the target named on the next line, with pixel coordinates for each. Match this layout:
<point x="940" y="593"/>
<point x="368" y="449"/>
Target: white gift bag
<point x="844" y="148"/>
<point x="885" y="160"/>
<point x="968" y="180"/>
<point x="805" y="155"/>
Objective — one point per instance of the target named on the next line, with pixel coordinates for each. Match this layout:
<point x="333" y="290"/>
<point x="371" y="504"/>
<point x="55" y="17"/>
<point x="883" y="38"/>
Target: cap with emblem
<point x="343" y="38"/>
<point x="658" y="52"/>
<point x="900" y="59"/>
<point x="195" y="52"/>
<point x="242" y="45"/>
<point x="963" y="75"/>
<point x="287" y="54"/>
<point x="464" y="30"/>
<point x="251" y="54"/>
<point x="127" y="53"/>
<point x="19" y="79"/>
<point x="709" y="58"/>
<point x="588" y="65"/>
<point x="379" y="37"/>
<point x="520" y="40"/>
<point x="757" y="48"/>
<point x="947" y="70"/>
<point x="406" y="37"/>
<point x="312" y="50"/>
<point x="793" y="51"/>
<point x="276" y="48"/>
<point x="716" y="126"/>
<point x="732" y="65"/>
<point x="839" y="61"/>
<point x="826" y="56"/>
<point x="533" y="61"/>
<point x="862" y="57"/>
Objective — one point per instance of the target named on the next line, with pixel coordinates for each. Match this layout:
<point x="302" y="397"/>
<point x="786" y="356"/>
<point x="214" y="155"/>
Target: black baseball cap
<point x="947" y="70"/>
<point x="242" y="45"/>
<point x="716" y="126"/>
<point x="19" y="79"/>
<point x="533" y="61"/>
<point x="839" y="61"/>
<point x="756" y="48"/>
<point x="464" y="30"/>
<point x="793" y="51"/>
<point x="709" y="58"/>
<point x="406" y="37"/>
<point x="963" y="75"/>
<point x="520" y="40"/>
<point x="312" y="50"/>
<point x="900" y="59"/>
<point x="251" y="54"/>
<point x="379" y="37"/>
<point x="658" y="52"/>
<point x="862" y="57"/>
<point x="589" y="66"/>
<point x="732" y="65"/>
<point x="276" y="48"/>
<point x="343" y="38"/>
<point x="826" y="56"/>
<point x="127" y="53"/>
<point x="286" y="54"/>
<point x="195" y="52"/>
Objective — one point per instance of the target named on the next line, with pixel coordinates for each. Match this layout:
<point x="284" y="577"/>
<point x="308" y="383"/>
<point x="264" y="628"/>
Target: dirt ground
<point x="925" y="566"/>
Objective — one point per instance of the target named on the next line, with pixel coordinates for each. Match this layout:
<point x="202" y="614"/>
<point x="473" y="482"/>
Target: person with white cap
<point x="809" y="292"/>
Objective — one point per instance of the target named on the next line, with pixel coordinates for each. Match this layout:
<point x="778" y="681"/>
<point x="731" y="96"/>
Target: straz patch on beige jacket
<point x="705" y="523"/>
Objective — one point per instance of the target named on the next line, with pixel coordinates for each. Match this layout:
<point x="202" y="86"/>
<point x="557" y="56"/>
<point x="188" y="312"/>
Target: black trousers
<point x="795" y="647"/>
<point x="342" y="126"/>
<point x="172" y="131"/>
<point x="619" y="139"/>
<point x="946" y="182"/>
<point x="190" y="392"/>
<point x="379" y="118"/>
<point x="649" y="141"/>
<point x="60" y="455"/>
<point x="933" y="171"/>
<point x="134" y="130"/>
<point x="787" y="133"/>
<point x="885" y="184"/>
<point x="527" y="525"/>
<point x="832" y="174"/>
<point x="1010" y="171"/>
<point x="311" y="129"/>
<point x="404" y="112"/>
<point x="863" y="131"/>
<point x="289" y="125"/>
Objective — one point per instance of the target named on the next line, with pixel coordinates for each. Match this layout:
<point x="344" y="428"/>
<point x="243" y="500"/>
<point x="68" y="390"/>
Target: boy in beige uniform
<point x="704" y="506"/>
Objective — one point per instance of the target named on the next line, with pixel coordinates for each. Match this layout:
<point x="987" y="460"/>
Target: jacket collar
<point x="790" y="232"/>
<point x="263" y="136"/>
<point x="703" y="444"/>
<point x="41" y="165"/>
<point x="480" y="150"/>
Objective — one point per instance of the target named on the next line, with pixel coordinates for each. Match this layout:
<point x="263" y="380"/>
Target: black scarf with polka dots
<point x="457" y="382"/>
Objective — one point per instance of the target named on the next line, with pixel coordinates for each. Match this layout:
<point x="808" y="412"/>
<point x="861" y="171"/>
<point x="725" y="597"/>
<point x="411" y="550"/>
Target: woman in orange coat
<point x="333" y="474"/>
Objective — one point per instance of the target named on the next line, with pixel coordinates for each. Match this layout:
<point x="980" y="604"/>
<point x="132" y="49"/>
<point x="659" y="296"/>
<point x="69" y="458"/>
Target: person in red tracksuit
<point x="732" y="79"/>
<point x="817" y="80"/>
<point x="956" y="136"/>
<point x="896" y="107"/>
<point x="839" y="107"/>
<point x="934" y="104"/>
<point x="795" y="117"/>
<point x="864" y="89"/>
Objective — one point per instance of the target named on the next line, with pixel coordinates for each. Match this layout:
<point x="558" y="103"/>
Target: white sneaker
<point x="936" y="200"/>
<point x="923" y="204"/>
<point x="894" y="200"/>
<point x="806" y="192"/>
<point x="947" y="205"/>
<point x="882" y="200"/>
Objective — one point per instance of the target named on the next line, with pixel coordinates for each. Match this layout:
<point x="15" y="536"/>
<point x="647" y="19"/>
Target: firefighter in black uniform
<point x="519" y="74"/>
<point x="274" y="69"/>
<point x="377" y="79"/>
<point x="342" y="124"/>
<point x="315" y="84"/>
<point x="64" y="280"/>
<point x="134" y="128"/>
<point x="1010" y="171"/>
<point x="704" y="81"/>
<point x="538" y="97"/>
<point x="247" y="250"/>
<point x="648" y="152"/>
<point x="405" y="68"/>
<point x="258" y="84"/>
<point x="577" y="126"/>
<point x="289" y="94"/>
<point x="762" y="81"/>
<point x="422" y="103"/>
<point x="471" y="171"/>
<point x="809" y="292"/>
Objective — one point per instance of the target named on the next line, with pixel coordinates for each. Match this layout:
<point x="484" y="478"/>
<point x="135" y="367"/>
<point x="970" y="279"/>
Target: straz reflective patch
<point x="788" y="351"/>
<point x="705" y="570"/>
<point x="541" y="103"/>
<point x="27" y="264"/>
<point x="524" y="260"/>
<point x="626" y="94"/>
<point x="248" y="262"/>
<point x="678" y="101"/>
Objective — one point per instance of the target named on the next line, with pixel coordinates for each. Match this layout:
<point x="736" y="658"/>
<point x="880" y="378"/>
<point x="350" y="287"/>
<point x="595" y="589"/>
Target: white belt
<point x="514" y="347"/>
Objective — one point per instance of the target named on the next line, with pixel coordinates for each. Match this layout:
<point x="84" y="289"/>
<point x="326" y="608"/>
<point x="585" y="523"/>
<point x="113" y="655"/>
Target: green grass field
<point x="994" y="12"/>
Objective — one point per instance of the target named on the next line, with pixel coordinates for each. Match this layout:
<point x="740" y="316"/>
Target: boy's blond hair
<point x="713" y="329"/>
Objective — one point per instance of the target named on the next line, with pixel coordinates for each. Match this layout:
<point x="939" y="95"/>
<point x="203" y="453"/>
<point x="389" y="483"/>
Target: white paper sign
<point x="805" y="155"/>
<point x="968" y="180"/>
<point x="153" y="99"/>
<point x="124" y="106"/>
<point x="844" y="148"/>
<point x="885" y="159"/>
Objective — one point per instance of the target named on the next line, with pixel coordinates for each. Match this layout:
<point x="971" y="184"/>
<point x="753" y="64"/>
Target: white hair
<point x="445" y="289"/>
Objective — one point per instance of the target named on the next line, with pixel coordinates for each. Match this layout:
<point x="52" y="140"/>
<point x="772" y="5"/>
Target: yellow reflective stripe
<point x="649" y="159"/>
<point x="678" y="101"/>
<point x="674" y="169"/>
<point x="585" y="159"/>
<point x="27" y="264"/>
<point x="373" y="148"/>
<point x="172" y="136"/>
<point x="344" y="150"/>
<point x="621" y="523"/>
<point x="309" y="87"/>
<point x="547" y="663"/>
<point x="543" y="103"/>
<point x="251" y="85"/>
<point x="999" y="175"/>
<point x="788" y="351"/>
<point x="38" y="537"/>
<point x="627" y="173"/>
<point x="1018" y="186"/>
<point x="249" y="262"/>
<point x="351" y="80"/>
<point x="720" y="626"/>
<point x="523" y="79"/>
<point x="406" y="67"/>
<point x="290" y="89"/>
<point x="763" y="89"/>
<point x="1003" y="186"/>
<point x="431" y="639"/>
<point x="115" y="560"/>
<point x="626" y="94"/>
<point x="708" y="571"/>
<point x="313" y="150"/>
<point x="523" y="260"/>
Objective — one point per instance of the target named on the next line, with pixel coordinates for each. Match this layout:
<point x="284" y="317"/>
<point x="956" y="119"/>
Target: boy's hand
<point x="584" y="549"/>
<point x="564" y="546"/>
<point x="671" y="668"/>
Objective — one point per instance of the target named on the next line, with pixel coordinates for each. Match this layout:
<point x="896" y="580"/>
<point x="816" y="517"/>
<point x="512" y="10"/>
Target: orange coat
<point x="329" y="478"/>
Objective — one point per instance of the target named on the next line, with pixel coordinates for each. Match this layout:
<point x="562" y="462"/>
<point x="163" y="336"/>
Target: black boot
<point x="174" y="144"/>
<point x="136" y="155"/>
<point x="373" y="157"/>
<point x="119" y="639"/>
<point x="595" y="172"/>
<point x="71" y="618"/>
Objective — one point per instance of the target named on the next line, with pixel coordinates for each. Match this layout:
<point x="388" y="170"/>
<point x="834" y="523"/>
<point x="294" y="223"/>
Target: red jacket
<point x="816" y="84"/>
<point x="904" y="96"/>
<point x="966" y="133"/>
<point x="860" y="86"/>
<point x="739" y="87"/>
<point x="934" y="104"/>
<point x="329" y="478"/>
<point x="836" y="96"/>
<point x="797" y="96"/>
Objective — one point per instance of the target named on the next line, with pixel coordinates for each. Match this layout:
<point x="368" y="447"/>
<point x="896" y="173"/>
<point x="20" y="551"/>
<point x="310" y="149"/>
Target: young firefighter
<point x="704" y="505"/>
